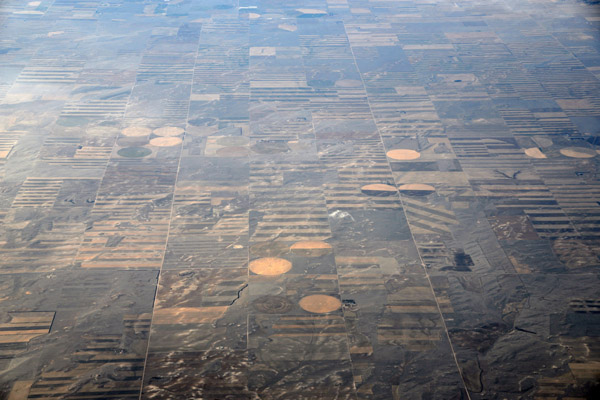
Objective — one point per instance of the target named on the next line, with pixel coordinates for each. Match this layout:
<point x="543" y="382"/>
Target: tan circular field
<point x="165" y="141"/>
<point x="320" y="303"/>
<point x="403" y="154"/>
<point x="270" y="266"/>
<point x="136" y="131"/>
<point x="416" y="188"/>
<point x="379" y="189"/>
<point x="168" y="131"/>
<point x="578" y="152"/>
<point x="534" y="152"/>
